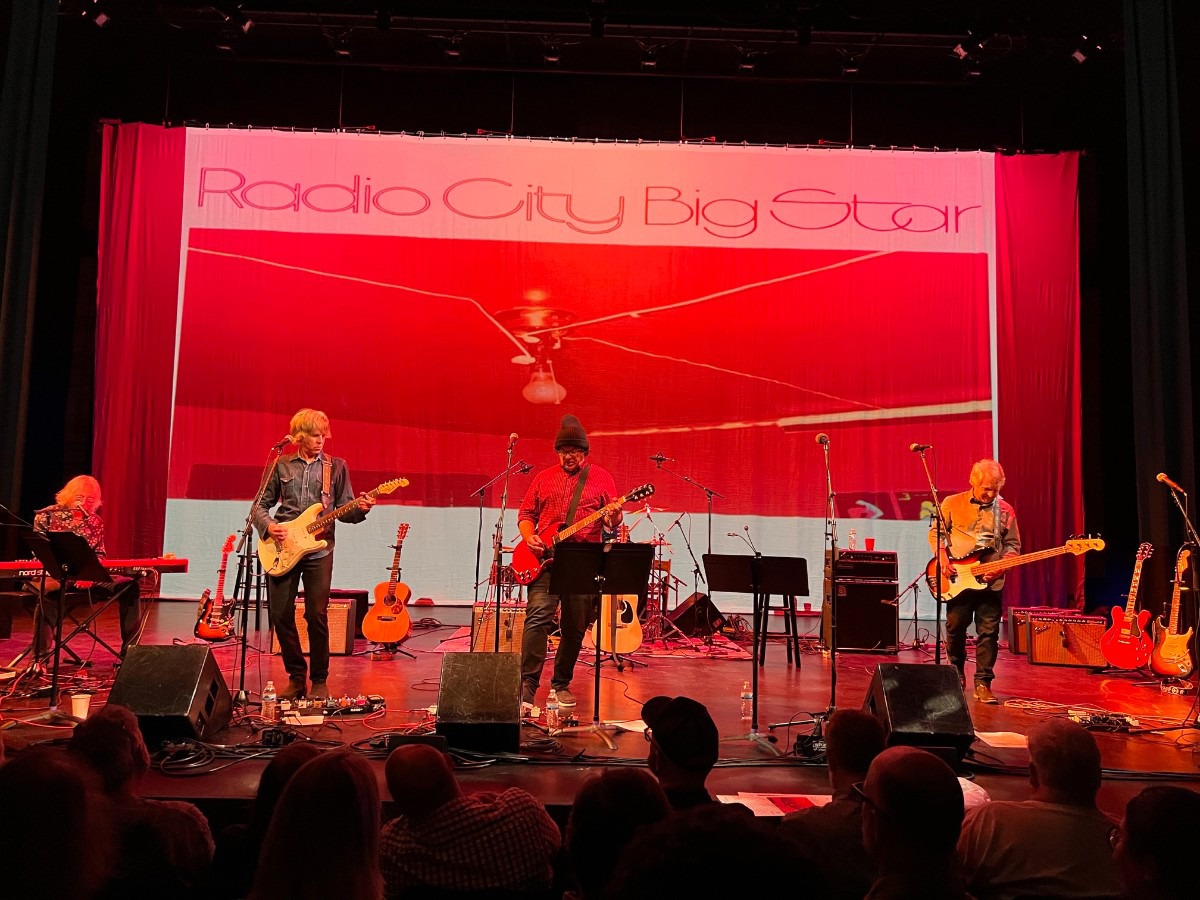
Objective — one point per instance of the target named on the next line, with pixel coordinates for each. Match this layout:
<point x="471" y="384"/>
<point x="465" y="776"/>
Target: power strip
<point x="1107" y="721"/>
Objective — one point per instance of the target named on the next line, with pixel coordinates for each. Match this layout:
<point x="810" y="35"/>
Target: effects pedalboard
<point x="1102" y="721"/>
<point x="330" y="706"/>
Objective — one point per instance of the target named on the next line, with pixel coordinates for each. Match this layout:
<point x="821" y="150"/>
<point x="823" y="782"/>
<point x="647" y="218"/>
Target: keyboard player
<point x="76" y="509"/>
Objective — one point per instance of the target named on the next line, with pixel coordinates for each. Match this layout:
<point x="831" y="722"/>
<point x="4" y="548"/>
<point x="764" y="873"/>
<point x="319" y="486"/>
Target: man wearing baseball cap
<point x="683" y="748"/>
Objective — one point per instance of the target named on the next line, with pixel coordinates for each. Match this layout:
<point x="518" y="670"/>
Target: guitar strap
<point x="578" y="493"/>
<point x="326" y="477"/>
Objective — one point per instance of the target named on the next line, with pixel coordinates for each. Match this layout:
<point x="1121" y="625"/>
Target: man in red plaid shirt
<point x="545" y="506"/>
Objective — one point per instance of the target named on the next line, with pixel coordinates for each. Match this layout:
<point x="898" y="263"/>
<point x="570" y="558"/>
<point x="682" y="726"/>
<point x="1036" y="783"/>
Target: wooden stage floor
<point x="553" y="770"/>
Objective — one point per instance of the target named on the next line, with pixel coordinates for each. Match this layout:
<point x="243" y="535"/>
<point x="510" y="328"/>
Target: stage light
<point x="1086" y="47"/>
<point x="649" y="61"/>
<point x="746" y="63"/>
<point x="543" y="388"/>
<point x="551" y="54"/>
<point x="453" y="48"/>
<point x="341" y="44"/>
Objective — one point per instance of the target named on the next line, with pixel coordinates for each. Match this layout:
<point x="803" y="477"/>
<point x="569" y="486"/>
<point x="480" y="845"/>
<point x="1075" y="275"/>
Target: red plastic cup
<point x="870" y="544"/>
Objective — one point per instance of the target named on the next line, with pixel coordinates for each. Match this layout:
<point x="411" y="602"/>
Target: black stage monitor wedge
<point x="697" y="615"/>
<point x="923" y="706"/>
<point x="479" y="701"/>
<point x="176" y="691"/>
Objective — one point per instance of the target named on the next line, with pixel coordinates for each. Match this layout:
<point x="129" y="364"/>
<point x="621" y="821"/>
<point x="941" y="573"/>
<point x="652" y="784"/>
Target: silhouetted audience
<point x="912" y="813"/>
<point x="323" y="841"/>
<point x="830" y="836"/>
<point x="1155" y="845"/>
<point x="1013" y="849"/>
<point x="238" y="846"/>
<point x="445" y="841"/>
<point x="164" y="847"/>
<point x="55" y="839"/>
<point x="713" y="850"/>
<point x="608" y="811"/>
<point x="683" y="748"/>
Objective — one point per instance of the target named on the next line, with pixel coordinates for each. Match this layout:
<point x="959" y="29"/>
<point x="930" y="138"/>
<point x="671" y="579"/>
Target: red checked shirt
<point x="550" y="493"/>
<point x="479" y="842"/>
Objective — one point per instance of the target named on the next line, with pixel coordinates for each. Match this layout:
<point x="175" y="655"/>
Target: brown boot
<point x="295" y="689"/>
<point x="984" y="694"/>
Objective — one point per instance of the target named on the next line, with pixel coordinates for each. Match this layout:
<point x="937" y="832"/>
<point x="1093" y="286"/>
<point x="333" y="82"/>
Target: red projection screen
<point x="718" y="305"/>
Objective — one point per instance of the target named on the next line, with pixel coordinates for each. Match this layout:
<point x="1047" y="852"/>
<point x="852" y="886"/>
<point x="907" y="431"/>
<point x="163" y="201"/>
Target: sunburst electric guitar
<point x="214" y="622"/>
<point x="1171" y="656"/>
<point x="388" y="621"/>
<point x="963" y="574"/>
<point x="527" y="566"/>
<point x="1127" y="644"/>
<point x="628" y="632"/>
<point x="278" y="557"/>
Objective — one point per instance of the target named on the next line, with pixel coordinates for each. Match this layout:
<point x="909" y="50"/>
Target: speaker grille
<point x="175" y="691"/>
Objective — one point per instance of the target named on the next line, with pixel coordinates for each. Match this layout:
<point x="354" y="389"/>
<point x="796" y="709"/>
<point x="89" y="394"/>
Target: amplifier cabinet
<point x="865" y="565"/>
<point x="867" y="618"/>
<point x="1056" y="639"/>
<point x="483" y="631"/>
<point x="1018" y="625"/>
<point x="341" y="626"/>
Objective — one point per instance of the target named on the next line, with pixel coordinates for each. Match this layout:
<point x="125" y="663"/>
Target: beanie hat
<point x="571" y="433"/>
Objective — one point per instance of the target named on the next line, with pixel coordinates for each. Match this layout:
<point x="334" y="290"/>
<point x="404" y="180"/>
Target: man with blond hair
<point x="977" y="519"/>
<point x="296" y="483"/>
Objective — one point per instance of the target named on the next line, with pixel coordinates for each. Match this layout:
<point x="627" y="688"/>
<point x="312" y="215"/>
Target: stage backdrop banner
<point x="720" y="306"/>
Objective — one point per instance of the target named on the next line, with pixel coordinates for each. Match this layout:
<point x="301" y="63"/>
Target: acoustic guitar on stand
<point x="963" y="574"/>
<point x="1126" y="645"/>
<point x="527" y="566"/>
<point x="280" y="557"/>
<point x="1171" y="656"/>
<point x="213" y="622"/>
<point x="628" y="628"/>
<point x="388" y="620"/>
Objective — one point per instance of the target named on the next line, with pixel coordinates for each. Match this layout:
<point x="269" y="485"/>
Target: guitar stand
<point x="384" y="652"/>
<point x="592" y="569"/>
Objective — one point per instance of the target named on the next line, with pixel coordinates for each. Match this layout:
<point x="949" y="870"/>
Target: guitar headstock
<point x="1182" y="561"/>
<point x="228" y="546"/>
<point x="1145" y="551"/>
<point x="639" y="493"/>
<point x="1083" y="545"/>
<point x="402" y="532"/>
<point x="389" y="486"/>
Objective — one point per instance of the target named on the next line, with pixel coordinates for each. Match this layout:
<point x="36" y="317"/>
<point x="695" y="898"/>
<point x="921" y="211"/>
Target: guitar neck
<point x="1010" y="562"/>
<point x="1131" y="601"/>
<point x="321" y="522"/>
<point x="584" y="523"/>
<point x="394" y="580"/>
<point x="221" y="581"/>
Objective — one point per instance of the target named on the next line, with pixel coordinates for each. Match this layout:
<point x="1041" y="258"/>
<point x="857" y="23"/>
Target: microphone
<point x="822" y="439"/>
<point x="920" y="448"/>
<point x="1162" y="476"/>
<point x="526" y="467"/>
<point x="749" y="540"/>
<point x="658" y="459"/>
<point x="678" y="519"/>
<point x="512" y="440"/>
<point x="281" y="444"/>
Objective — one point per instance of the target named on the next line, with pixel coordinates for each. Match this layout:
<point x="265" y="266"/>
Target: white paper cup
<point x="80" y="703"/>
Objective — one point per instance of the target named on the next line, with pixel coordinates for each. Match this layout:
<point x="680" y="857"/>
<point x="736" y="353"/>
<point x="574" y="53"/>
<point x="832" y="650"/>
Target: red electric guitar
<point x="1171" y="656"/>
<point x="1127" y="645"/>
<point x="214" y="622"/>
<point x="388" y="621"/>
<point x="527" y="567"/>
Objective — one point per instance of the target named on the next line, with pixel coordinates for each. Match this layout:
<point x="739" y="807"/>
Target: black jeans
<point x="576" y="615"/>
<point x="985" y="607"/>
<point x="281" y="592"/>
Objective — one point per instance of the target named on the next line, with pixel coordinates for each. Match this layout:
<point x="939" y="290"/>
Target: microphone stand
<point x="915" y="587"/>
<point x="943" y="536"/>
<point x="831" y="537"/>
<point x="697" y="577"/>
<point x="708" y="492"/>
<point x="498" y="533"/>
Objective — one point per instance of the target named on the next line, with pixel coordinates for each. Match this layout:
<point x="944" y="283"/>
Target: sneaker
<point x="526" y="710"/>
<point x="294" y="690"/>
<point x="319" y="690"/>
<point x="984" y="694"/>
<point x="566" y="700"/>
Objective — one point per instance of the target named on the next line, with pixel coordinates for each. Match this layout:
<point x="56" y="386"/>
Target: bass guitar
<point x="1171" y="656"/>
<point x="278" y="557"/>
<point x="213" y="621"/>
<point x="527" y="566"/>
<point x="964" y="574"/>
<point x="388" y="621"/>
<point x="1126" y="644"/>
<point x="627" y="636"/>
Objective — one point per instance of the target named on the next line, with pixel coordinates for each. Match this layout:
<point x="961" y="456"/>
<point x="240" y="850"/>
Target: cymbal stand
<point x="708" y="492"/>
<point x="659" y="624"/>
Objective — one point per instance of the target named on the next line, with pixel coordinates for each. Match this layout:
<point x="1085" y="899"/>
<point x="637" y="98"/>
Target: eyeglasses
<point x="862" y="795"/>
<point x="571" y="451"/>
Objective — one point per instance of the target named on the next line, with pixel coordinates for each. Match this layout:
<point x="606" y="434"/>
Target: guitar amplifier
<point x="1018" y="625"/>
<point x="483" y="632"/>
<point x="342" y="615"/>
<point x="865" y="565"/>
<point x="1058" y="639"/>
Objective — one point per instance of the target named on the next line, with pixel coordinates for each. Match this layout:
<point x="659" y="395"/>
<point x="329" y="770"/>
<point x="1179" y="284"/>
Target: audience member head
<point x="1155" y="843"/>
<point x="274" y="779"/>
<point x="708" y="851"/>
<point x="912" y="809"/>
<point x="332" y="800"/>
<point x="420" y="779"/>
<point x="110" y="743"/>
<point x="608" y="811"/>
<point x="683" y="740"/>
<point x="46" y="797"/>
<point x="852" y="741"/>
<point x="1064" y="763"/>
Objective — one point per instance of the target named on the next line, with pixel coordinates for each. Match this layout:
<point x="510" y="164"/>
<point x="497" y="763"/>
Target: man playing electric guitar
<point x="978" y="519"/>
<point x="561" y="495"/>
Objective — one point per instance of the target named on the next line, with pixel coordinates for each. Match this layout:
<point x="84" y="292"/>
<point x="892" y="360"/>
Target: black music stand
<point x="758" y="576"/>
<point x="69" y="558"/>
<point x="593" y="569"/>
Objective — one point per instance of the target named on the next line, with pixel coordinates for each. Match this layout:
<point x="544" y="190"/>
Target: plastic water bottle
<point x="270" y="702"/>
<point x="850" y="544"/>
<point x="747" y="700"/>
<point x="553" y="720"/>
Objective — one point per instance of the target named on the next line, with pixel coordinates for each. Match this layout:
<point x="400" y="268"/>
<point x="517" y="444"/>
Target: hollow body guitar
<point x="278" y="557"/>
<point x="1127" y="645"/>
<point x="388" y="621"/>
<point x="214" y="622"/>
<point x="628" y="631"/>
<point x="1171" y="656"/>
